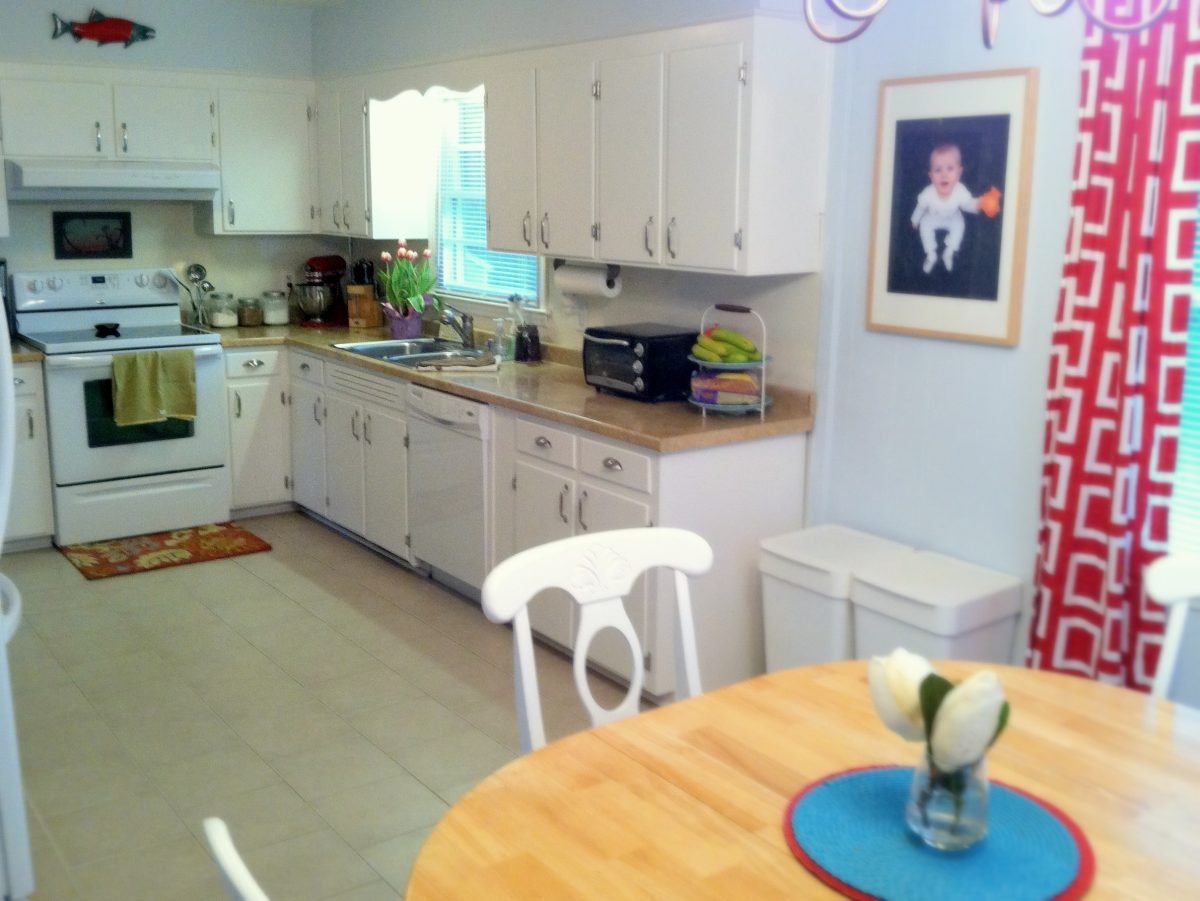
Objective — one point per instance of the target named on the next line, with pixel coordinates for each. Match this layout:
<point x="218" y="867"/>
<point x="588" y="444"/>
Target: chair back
<point x="240" y="885"/>
<point x="597" y="570"/>
<point x="1172" y="580"/>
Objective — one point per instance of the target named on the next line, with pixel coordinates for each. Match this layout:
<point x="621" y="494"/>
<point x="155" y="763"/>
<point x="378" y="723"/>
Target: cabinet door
<point x="31" y="511"/>
<point x="163" y="123"/>
<point x="56" y="118"/>
<point x="509" y="145"/>
<point x="352" y="137"/>
<point x="386" y="466"/>
<point x="344" y="463"/>
<point x="566" y="115"/>
<point x="264" y="161"/>
<point x="259" y="442"/>
<point x="308" y="446"/>
<point x="599" y="510"/>
<point x="703" y="121"/>
<point x="405" y="146"/>
<point x="544" y="512"/>
<point x="329" y="161"/>
<point x="629" y="159"/>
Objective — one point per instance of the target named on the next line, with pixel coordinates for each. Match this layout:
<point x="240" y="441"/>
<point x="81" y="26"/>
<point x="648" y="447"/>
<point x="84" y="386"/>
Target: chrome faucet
<point x="462" y="323"/>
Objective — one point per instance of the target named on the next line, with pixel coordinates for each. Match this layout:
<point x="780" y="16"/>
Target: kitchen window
<point x="466" y="268"/>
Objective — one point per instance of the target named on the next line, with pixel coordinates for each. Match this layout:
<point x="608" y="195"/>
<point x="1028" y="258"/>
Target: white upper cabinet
<point x="329" y="161"/>
<point x="265" y="162"/>
<point x="98" y="120"/>
<point x="342" y="206"/>
<point x="565" y="129"/>
<point x="509" y="143"/>
<point x="629" y="159"/>
<point x="703" y="125"/>
<point x="404" y="143"/>
<point x="705" y="149"/>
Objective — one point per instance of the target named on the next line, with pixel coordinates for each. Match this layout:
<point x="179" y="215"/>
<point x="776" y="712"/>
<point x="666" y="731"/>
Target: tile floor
<point x="329" y="704"/>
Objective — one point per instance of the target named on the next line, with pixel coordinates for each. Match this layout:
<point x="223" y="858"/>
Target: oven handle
<point x="91" y="361"/>
<point x="620" y="342"/>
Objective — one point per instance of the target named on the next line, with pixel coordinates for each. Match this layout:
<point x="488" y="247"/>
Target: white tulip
<point x="895" y="683"/>
<point x="966" y="722"/>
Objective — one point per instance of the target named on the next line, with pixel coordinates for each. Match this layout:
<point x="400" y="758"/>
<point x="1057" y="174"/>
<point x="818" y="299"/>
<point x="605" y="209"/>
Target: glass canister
<point x="220" y="310"/>
<point x="250" y="312"/>
<point x="274" y="308"/>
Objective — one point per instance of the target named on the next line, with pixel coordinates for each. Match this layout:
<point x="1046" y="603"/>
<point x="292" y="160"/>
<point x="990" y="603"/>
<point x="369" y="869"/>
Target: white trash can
<point x="806" y="579"/>
<point x="936" y="606"/>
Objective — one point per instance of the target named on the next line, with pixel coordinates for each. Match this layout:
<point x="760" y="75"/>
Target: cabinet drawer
<point x="308" y="369"/>
<point x="624" y="467"/>
<point x="27" y="379"/>
<point x="243" y="363"/>
<point x="545" y="442"/>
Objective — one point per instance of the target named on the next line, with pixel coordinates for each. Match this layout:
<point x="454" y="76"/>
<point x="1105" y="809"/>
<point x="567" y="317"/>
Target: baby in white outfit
<point x="940" y="206"/>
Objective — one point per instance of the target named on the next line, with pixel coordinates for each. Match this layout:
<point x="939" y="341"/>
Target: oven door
<point x="86" y="445"/>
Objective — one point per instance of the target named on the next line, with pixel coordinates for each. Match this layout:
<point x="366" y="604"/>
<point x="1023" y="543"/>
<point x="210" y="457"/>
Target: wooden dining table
<point x="688" y="800"/>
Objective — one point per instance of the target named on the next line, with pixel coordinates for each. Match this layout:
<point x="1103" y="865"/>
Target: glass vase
<point x="948" y="810"/>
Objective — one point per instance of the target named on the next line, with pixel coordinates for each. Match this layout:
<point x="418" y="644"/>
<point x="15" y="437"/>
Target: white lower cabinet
<point x="307" y="396"/>
<point x="567" y="481"/>
<point x="259" y="428"/>
<point x="31" y="510"/>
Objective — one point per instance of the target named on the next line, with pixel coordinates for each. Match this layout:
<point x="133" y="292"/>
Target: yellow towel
<point x="152" y="385"/>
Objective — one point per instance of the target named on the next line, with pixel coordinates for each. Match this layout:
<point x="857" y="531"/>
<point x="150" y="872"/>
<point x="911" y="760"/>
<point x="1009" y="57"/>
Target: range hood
<point x="110" y="180"/>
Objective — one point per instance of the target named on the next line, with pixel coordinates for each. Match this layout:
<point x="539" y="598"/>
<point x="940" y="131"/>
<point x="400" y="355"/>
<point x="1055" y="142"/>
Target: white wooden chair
<point x="238" y="881"/>
<point x="597" y="569"/>
<point x="1172" y="580"/>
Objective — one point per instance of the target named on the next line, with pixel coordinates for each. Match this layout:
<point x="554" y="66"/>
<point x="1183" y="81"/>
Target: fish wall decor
<point x="102" y="29"/>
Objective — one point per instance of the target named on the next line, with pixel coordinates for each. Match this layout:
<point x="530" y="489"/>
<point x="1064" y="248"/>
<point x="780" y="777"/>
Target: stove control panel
<point x="73" y="290"/>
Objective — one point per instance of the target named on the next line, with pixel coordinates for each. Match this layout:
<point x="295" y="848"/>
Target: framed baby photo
<point x="948" y="219"/>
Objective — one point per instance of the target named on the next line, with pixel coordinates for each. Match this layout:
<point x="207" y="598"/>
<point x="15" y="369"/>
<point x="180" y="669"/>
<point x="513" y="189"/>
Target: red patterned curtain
<point x="1117" y="359"/>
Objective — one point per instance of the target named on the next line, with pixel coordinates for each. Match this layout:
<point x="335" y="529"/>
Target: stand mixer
<point x="320" y="297"/>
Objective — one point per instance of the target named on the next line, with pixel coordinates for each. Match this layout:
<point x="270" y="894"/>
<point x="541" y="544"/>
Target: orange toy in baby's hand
<point x="989" y="202"/>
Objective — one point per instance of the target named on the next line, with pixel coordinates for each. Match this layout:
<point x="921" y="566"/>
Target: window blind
<point x="465" y="265"/>
<point x="1184" y="517"/>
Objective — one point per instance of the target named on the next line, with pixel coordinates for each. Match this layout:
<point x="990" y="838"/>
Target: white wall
<point x="222" y="35"/>
<point x="938" y="443"/>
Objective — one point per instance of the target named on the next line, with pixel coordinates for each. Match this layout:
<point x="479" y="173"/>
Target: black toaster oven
<point x="645" y="360"/>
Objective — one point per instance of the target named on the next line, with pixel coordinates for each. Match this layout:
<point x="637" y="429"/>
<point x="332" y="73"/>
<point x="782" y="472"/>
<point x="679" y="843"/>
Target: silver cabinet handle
<point x="232" y="217"/>
<point x="543" y="441"/>
<point x="527" y="229"/>
<point x="238" y="404"/>
<point x="18" y="382"/>
<point x="562" y="503"/>
<point x="613" y="464"/>
<point x="579" y="514"/>
<point x="317" y="411"/>
<point x="354" y="425"/>
<point x="29" y="421"/>
<point x="544" y="230"/>
<point x="346" y="215"/>
<point x="646" y="235"/>
<point x="367" y="429"/>
<point x="337" y="208"/>
<point x="304" y="367"/>
<point x="124" y="138"/>
<point x="99" y="148"/>
<point x="671" y="237"/>
<point x="258" y="364"/>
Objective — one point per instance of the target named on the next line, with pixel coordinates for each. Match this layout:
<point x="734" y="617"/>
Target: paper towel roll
<point x="587" y="281"/>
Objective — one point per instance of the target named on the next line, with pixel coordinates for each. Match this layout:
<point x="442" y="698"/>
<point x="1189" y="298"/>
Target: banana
<point x="736" y="356"/>
<point x="735" y="339"/>
<point x="703" y="353"/>
<point x="753" y="356"/>
<point x="720" y="348"/>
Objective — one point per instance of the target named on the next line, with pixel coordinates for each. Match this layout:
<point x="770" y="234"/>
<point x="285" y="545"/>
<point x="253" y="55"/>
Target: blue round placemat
<point x="850" y="826"/>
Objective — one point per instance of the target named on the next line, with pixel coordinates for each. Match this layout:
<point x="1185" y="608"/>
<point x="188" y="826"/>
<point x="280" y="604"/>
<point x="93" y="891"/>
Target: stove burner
<point x="108" y="330"/>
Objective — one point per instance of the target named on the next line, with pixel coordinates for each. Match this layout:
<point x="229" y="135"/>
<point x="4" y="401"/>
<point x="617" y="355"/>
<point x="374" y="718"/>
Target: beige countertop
<point x="23" y="353"/>
<point x="556" y="391"/>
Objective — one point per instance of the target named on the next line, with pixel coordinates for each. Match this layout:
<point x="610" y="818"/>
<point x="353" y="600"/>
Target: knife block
<point x="363" y="309"/>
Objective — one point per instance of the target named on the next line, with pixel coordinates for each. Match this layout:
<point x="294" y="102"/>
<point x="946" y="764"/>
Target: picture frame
<point x="92" y="235"/>
<point x="950" y="204"/>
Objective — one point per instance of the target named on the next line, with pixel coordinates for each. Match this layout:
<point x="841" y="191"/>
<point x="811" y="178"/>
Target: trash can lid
<point x="823" y="558"/>
<point x="940" y="594"/>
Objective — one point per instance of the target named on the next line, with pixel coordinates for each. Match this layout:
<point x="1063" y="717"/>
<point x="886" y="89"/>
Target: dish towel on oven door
<point x="153" y="385"/>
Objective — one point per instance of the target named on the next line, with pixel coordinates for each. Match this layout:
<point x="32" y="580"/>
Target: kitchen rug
<point x="144" y="553"/>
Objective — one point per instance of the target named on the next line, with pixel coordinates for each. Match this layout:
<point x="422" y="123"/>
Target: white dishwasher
<point x="449" y="478"/>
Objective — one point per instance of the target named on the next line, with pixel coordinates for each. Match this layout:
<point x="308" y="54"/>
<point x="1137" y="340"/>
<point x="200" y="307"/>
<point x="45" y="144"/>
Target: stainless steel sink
<point x="391" y="350"/>
<point x="412" y="352"/>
